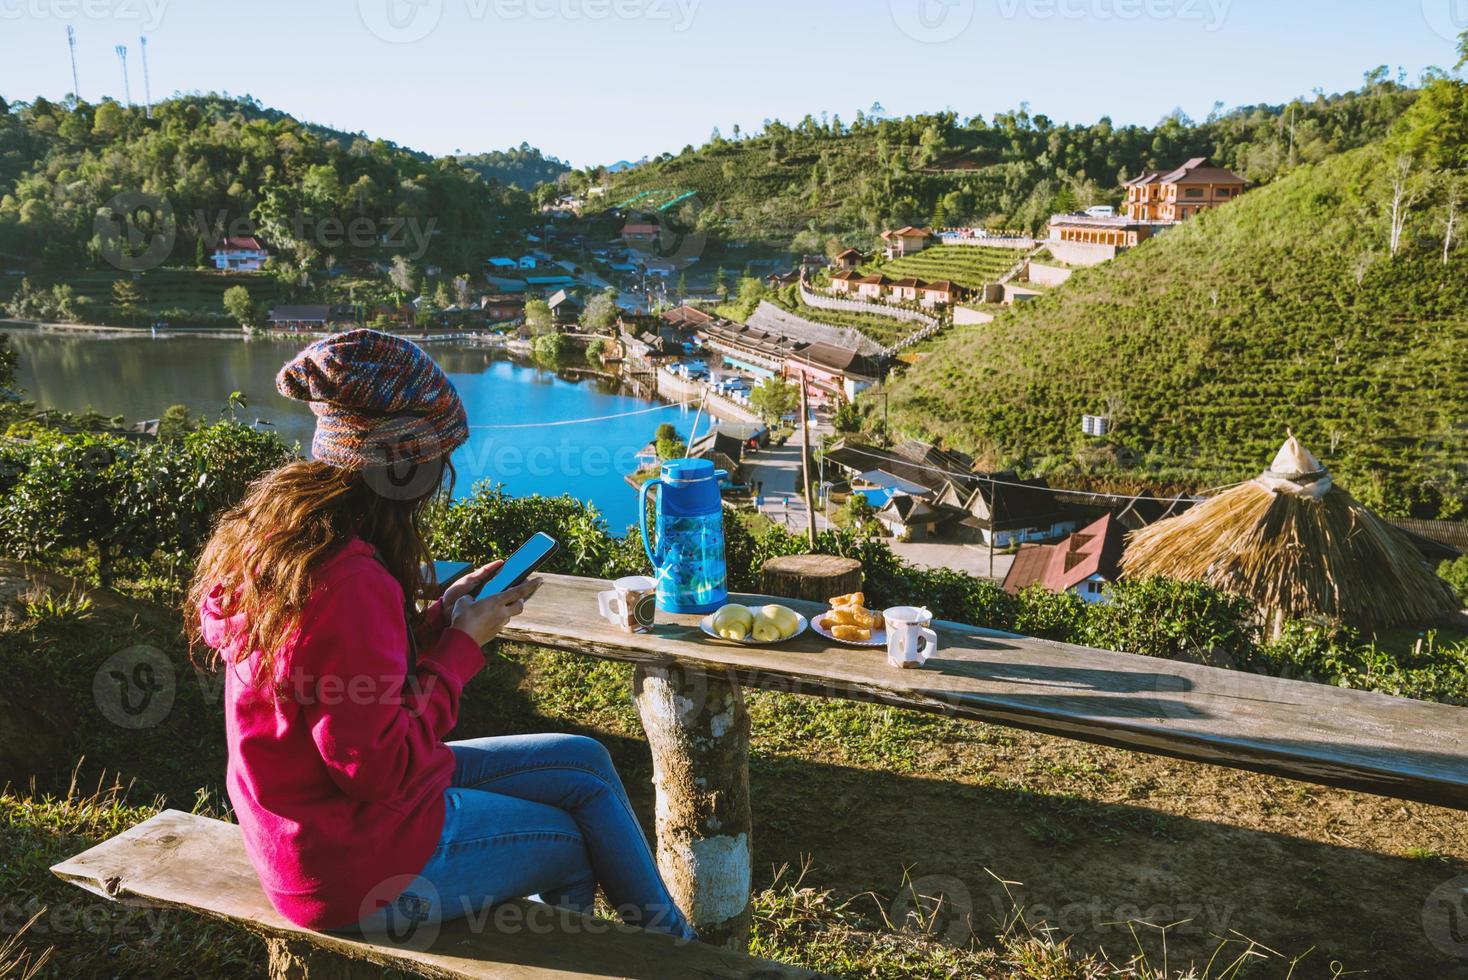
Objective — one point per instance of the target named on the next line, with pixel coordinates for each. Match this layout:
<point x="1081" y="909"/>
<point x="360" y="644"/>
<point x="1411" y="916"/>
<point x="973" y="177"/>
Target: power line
<point x="597" y="418"/>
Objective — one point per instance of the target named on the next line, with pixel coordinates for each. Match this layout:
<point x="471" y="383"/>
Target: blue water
<point x="513" y="407"/>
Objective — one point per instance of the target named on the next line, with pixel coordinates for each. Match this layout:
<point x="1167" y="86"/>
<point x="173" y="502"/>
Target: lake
<point x="518" y="413"/>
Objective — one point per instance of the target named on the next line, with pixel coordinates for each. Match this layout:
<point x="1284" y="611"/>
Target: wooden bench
<point x="179" y="861"/>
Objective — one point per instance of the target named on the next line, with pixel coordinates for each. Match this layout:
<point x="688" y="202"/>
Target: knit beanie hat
<point x="379" y="400"/>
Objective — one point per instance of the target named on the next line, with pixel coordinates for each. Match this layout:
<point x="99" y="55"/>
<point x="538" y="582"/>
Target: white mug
<point x="630" y="603"/>
<point x="909" y="640"/>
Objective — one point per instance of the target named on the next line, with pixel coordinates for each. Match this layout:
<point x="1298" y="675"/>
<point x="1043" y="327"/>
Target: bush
<point x="1054" y="616"/>
<point x="549" y="348"/>
<point x="1178" y="620"/>
<point x="1455" y="573"/>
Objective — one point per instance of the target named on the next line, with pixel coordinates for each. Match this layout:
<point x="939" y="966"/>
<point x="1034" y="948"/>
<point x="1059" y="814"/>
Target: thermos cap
<point x="687" y="470"/>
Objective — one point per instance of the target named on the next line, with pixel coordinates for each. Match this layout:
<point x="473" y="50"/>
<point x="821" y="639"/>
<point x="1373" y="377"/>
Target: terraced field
<point x="885" y="330"/>
<point x="971" y="266"/>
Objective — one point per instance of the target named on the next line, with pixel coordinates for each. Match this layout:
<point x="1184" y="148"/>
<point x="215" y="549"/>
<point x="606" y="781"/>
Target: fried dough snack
<point x="854" y="599"/>
<point x="860" y="633"/>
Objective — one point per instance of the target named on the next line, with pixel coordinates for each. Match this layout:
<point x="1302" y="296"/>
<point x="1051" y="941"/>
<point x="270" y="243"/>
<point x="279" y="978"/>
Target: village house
<point x="1005" y="510"/>
<point x="907" y="241"/>
<point x="940" y="293"/>
<point x="872" y="287"/>
<point x="849" y="259"/>
<point x="311" y="317"/>
<point x="640" y="233"/>
<point x="779" y="279"/>
<point x="831" y="373"/>
<point x="239" y="253"/>
<point x="1181" y="193"/>
<point x="845" y="282"/>
<point x="1082" y="564"/>
<point x="565" y="308"/>
<point x="501" y="263"/>
<point x="905" y="290"/>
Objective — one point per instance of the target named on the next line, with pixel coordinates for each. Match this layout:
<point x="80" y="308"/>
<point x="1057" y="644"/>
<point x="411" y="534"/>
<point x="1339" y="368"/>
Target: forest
<point x="198" y="166"/>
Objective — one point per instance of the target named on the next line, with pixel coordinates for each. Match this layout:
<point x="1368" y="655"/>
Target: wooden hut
<point x="1300" y="547"/>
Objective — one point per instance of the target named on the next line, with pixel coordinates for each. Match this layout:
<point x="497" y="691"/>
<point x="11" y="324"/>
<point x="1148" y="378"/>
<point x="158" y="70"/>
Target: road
<point x="778" y="470"/>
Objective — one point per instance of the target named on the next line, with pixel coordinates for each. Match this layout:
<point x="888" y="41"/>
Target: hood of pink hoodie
<point x="223" y="632"/>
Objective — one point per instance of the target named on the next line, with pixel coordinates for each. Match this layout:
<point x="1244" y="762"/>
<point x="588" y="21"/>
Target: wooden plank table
<point x="688" y="692"/>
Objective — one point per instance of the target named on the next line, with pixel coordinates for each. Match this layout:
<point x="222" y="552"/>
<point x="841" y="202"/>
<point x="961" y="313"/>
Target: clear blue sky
<point x="594" y="81"/>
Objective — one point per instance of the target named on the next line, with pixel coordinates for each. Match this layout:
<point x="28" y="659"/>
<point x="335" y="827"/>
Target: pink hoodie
<point x="338" y="783"/>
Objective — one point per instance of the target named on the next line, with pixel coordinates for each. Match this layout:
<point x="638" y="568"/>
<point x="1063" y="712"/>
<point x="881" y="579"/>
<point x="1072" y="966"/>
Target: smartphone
<point x="519" y="566"/>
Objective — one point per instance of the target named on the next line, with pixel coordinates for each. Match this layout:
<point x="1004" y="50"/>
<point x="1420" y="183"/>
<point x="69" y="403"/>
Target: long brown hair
<point x="265" y="550"/>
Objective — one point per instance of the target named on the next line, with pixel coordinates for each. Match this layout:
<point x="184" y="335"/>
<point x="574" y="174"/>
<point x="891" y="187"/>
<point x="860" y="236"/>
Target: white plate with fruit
<point x="754" y="626"/>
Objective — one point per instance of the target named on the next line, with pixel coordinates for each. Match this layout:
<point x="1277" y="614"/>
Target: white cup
<point x="630" y="604"/>
<point x="909" y="640"/>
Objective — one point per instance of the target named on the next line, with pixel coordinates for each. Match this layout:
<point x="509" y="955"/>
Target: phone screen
<point x="517" y="568"/>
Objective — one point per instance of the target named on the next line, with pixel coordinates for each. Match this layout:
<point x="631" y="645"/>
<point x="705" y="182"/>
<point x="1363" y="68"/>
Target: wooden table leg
<point x="698" y="727"/>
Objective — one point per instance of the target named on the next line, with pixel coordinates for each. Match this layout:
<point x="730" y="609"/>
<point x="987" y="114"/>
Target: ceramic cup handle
<point x="612" y="606"/>
<point x="927" y="644"/>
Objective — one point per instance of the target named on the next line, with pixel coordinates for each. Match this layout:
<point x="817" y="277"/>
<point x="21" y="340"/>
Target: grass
<point x="1206" y="344"/>
<point x="880" y="810"/>
<point x="970" y="266"/>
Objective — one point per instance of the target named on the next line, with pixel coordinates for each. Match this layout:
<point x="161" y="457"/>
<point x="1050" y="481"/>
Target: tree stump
<point x="698" y="728"/>
<point x="814" y="577"/>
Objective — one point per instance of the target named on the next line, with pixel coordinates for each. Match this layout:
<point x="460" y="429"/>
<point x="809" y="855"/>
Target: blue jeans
<point x="540" y="816"/>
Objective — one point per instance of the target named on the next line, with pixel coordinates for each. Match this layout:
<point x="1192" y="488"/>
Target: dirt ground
<point x="1093" y="840"/>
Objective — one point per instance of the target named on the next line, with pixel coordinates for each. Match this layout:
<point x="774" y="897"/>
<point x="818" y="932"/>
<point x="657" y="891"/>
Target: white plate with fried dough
<point x="879" y="636"/>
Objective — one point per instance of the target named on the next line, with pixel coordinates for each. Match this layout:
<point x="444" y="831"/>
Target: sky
<point x="596" y="81"/>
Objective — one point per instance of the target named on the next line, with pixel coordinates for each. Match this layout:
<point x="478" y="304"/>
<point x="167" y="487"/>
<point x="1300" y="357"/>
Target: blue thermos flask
<point x="688" y="556"/>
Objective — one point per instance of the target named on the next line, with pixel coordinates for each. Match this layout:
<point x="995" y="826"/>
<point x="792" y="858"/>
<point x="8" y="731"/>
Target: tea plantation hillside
<point x="1283" y="309"/>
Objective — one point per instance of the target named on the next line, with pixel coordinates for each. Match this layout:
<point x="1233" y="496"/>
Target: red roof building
<point x="1083" y="563"/>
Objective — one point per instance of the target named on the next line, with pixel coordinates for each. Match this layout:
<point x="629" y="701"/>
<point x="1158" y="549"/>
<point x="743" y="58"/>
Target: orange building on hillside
<point x="1177" y="196"/>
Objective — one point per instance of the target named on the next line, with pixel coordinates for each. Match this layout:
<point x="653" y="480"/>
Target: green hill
<point x="317" y="197"/>
<point x="822" y="179"/>
<point x="1283" y="309"/>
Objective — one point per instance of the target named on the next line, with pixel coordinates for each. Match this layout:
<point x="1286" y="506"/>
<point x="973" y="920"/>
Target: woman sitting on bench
<point x="338" y="692"/>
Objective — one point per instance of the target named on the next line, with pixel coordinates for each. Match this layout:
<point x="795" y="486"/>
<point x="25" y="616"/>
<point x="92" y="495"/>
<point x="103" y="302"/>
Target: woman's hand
<point x="483" y="618"/>
<point x="469" y="583"/>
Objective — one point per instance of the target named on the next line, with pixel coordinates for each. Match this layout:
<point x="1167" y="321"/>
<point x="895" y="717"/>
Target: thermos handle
<point x="642" y="517"/>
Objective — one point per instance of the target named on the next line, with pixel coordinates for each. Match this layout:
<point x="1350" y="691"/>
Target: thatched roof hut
<point x="1300" y="547"/>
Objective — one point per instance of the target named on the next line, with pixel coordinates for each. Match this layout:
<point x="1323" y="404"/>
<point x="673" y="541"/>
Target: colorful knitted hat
<point x="378" y="400"/>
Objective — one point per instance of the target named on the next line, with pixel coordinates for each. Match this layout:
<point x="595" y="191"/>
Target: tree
<point x="8" y="362"/>
<point x="1462" y="51"/>
<point x="721" y="283"/>
<point x="463" y="293"/>
<point x="441" y="296"/>
<point x="600" y="314"/>
<point x="175" y="423"/>
<point x="127" y="299"/>
<point x="595" y="349"/>
<point x="538" y="319"/>
<point x="201" y="254"/>
<point x="404" y="277"/>
<point x="773" y="399"/>
<point x="669" y="442"/>
<point x="237" y="303"/>
<point x="109" y="119"/>
<point x="1406" y="189"/>
<point x="847" y="417"/>
<point x="1450" y="222"/>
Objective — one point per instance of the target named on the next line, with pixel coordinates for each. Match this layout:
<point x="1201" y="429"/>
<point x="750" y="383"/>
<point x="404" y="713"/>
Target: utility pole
<point x="810" y="506"/>
<point x="127" y="91"/>
<point x="147" y="89"/>
<point x="71" y="43"/>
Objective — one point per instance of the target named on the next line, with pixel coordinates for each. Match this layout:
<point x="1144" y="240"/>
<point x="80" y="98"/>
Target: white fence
<point x="986" y="241"/>
<point x="857" y="306"/>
